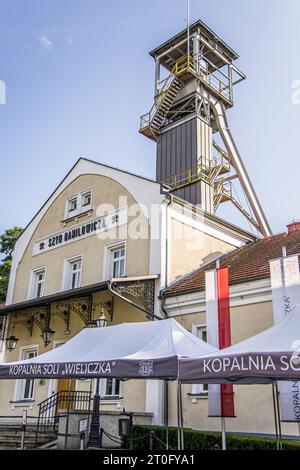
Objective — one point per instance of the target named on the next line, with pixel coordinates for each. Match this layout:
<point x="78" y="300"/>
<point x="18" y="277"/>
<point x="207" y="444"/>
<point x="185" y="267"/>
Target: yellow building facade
<point x="105" y="242"/>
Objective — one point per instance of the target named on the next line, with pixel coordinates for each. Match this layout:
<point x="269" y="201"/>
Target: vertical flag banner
<point x="285" y="283"/>
<point x="220" y="397"/>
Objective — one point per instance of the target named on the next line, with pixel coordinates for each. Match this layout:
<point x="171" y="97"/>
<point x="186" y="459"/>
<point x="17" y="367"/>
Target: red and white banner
<point x="220" y="397"/>
<point x="285" y="282"/>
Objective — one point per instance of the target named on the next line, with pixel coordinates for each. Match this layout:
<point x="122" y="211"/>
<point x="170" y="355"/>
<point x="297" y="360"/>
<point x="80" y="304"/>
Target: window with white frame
<point x="37" y="283"/>
<point x="25" y="387"/>
<point x="201" y="332"/>
<point x="78" y="204"/>
<point x="86" y="200"/>
<point x="117" y="261"/>
<point x="72" y="205"/>
<point x="73" y="272"/>
<point x="111" y="388"/>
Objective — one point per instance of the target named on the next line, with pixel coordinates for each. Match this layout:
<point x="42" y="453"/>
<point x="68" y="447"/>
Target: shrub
<point x="200" y="440"/>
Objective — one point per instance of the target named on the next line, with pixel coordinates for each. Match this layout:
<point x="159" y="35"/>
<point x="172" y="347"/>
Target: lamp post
<point x="94" y="436"/>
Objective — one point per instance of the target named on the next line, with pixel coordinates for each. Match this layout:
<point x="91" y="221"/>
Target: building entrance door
<point x="67" y="389"/>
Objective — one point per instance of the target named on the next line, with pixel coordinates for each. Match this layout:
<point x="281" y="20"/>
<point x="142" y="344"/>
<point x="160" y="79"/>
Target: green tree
<point x="7" y="243"/>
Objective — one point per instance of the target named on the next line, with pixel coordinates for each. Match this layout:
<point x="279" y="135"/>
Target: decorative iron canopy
<point x="139" y="292"/>
<point x="84" y="307"/>
<point x="2" y="327"/>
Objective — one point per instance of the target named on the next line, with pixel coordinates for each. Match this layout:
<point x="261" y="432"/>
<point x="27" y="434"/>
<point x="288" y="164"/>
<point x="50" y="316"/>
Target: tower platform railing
<point x="206" y="170"/>
<point x="194" y="65"/>
<point x="186" y="68"/>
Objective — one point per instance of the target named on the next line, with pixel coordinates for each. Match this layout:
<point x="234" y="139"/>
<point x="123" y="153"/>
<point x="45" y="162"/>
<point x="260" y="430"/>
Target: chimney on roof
<point x="294" y="226"/>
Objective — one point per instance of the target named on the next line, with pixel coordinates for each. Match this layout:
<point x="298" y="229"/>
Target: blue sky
<point x="78" y="76"/>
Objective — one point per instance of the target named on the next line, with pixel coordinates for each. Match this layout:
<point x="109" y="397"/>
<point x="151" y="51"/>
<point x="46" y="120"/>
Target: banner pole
<point x="223" y="423"/>
<point x="285" y="287"/>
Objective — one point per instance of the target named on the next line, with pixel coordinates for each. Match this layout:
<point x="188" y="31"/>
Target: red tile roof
<point x="247" y="263"/>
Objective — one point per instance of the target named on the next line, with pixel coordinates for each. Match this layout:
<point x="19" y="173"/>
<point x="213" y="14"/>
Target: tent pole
<point x="68" y="414"/>
<point x="223" y="428"/>
<point x="279" y="417"/>
<point x="89" y="410"/>
<point x="167" y="413"/>
<point x="275" y="414"/>
<point x="178" y="418"/>
<point x="181" y="417"/>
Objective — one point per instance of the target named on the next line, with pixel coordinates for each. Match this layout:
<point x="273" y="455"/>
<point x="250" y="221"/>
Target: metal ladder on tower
<point x="152" y="121"/>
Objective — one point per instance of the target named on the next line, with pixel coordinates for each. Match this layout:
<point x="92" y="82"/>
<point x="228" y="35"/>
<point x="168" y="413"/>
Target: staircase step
<point x="166" y="103"/>
<point x="11" y="436"/>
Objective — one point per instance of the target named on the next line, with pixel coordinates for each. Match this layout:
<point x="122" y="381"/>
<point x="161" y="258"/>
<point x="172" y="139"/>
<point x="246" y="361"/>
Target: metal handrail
<point x="186" y="64"/>
<point x="218" y="163"/>
<point x="191" y="64"/>
<point x="47" y="416"/>
<point x="200" y="171"/>
<point x="146" y="119"/>
<point x="222" y="188"/>
<point x="206" y="170"/>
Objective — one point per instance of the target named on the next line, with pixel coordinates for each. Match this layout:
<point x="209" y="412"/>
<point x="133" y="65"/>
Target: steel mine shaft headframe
<point x="189" y="113"/>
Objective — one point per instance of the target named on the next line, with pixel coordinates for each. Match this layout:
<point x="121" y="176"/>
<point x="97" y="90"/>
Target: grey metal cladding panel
<point x="162" y="156"/>
<point x="180" y="165"/>
<point x="177" y="151"/>
<point x="183" y="154"/>
<point x="168" y="168"/>
<point x="159" y="158"/>
<point x="188" y="156"/>
<point x="161" y="163"/>
<point x="192" y="151"/>
<point x="196" y="191"/>
<point x="176" y="156"/>
<point x="178" y="147"/>
<point x="171" y="160"/>
<point x="194" y="141"/>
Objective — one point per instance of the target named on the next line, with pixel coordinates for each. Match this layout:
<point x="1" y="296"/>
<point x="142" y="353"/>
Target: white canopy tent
<point x="128" y="350"/>
<point x="264" y="358"/>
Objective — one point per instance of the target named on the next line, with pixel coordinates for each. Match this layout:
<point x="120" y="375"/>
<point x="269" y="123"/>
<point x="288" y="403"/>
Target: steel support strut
<point x="219" y="112"/>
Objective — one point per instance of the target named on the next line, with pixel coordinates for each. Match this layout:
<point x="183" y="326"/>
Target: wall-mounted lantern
<point x="47" y="336"/>
<point x="101" y="321"/>
<point x="11" y="342"/>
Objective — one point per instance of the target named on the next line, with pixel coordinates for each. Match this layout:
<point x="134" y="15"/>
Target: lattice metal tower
<point x="189" y="115"/>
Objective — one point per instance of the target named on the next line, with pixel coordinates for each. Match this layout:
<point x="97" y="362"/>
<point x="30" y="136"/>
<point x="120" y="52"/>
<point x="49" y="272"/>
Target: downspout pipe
<point x="162" y="304"/>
